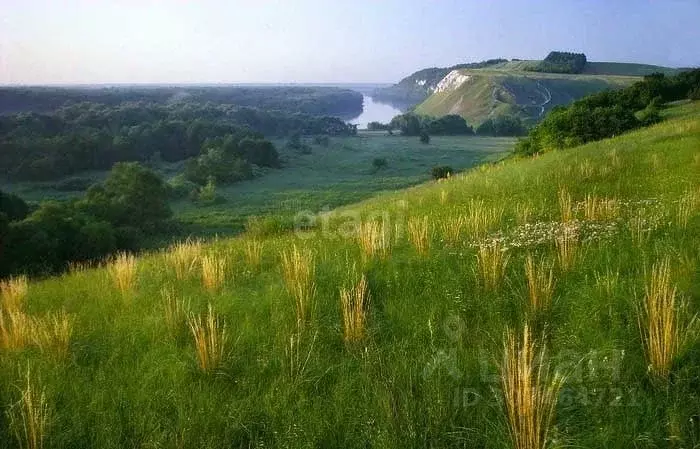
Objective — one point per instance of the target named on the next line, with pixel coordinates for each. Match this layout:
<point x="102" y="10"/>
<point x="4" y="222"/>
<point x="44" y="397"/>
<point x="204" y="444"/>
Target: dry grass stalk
<point x="453" y="228"/>
<point x="492" y="261"/>
<point x="567" y="248"/>
<point x="122" y="270"/>
<point x="444" y="196"/>
<point x="565" y="205"/>
<point x="523" y="212"/>
<point x="374" y="239"/>
<point x="419" y="234"/>
<point x="530" y="392"/>
<point x="663" y="321"/>
<point x="482" y="219"/>
<point x="595" y="208"/>
<point x="213" y="272"/>
<point x="210" y="340"/>
<point x="52" y="334"/>
<point x="540" y="282"/>
<point x="253" y="253"/>
<point x="12" y="292"/>
<point x="16" y="329"/>
<point x="176" y="310"/>
<point x="29" y="417"/>
<point x="298" y="270"/>
<point x="586" y="169"/>
<point x="183" y="257"/>
<point x="686" y="206"/>
<point x="354" y="304"/>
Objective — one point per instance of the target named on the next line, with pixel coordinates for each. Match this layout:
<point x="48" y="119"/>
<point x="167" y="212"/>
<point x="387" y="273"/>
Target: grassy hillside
<point x="392" y="323"/>
<point x="497" y="91"/>
<point x="508" y="87"/>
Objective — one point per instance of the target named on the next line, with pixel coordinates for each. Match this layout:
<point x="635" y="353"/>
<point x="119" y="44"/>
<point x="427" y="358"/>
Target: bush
<point x="442" y="172"/>
<point x="379" y="163"/>
<point x="694" y="94"/>
<point x="503" y="125"/>
<point x="424" y="138"/>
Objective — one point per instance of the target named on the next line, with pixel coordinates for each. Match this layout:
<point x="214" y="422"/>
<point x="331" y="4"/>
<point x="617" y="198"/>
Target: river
<point x="373" y="111"/>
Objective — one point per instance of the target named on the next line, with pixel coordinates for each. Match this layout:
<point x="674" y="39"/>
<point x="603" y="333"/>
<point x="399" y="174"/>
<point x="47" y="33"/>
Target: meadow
<point x="530" y="303"/>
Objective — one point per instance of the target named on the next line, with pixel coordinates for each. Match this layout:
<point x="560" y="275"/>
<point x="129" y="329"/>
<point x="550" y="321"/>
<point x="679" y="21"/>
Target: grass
<point x="298" y="268"/>
<point x="431" y="369"/>
<point x="122" y="270"/>
<point x="183" y="256"/>
<point x="530" y="391"/>
<point x="29" y="416"/>
<point x="662" y="321"/>
<point x="213" y="272"/>
<point x="210" y="340"/>
<point x="354" y="302"/>
<point x="492" y="261"/>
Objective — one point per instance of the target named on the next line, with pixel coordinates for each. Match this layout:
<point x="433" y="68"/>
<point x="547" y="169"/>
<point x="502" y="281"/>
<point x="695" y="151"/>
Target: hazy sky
<point x="179" y="41"/>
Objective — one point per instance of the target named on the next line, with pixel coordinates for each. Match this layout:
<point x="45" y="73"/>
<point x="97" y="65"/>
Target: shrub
<point x="441" y="172"/>
<point x="424" y="137"/>
<point x="379" y="163"/>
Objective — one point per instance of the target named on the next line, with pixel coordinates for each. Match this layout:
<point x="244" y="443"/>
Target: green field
<point x="577" y="246"/>
<point x="340" y="174"/>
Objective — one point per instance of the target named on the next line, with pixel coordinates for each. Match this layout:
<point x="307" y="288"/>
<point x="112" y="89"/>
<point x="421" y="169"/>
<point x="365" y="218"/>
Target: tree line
<point x="122" y="213"/>
<point x="412" y="124"/>
<point x="89" y="136"/>
<point x="609" y="113"/>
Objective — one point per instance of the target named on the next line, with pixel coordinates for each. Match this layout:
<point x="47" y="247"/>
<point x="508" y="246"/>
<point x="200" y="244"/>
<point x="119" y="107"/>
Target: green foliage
<point x="561" y="62"/>
<point x="379" y="163"/>
<point x="441" y="172"/>
<point x="377" y="126"/>
<point x="12" y="206"/>
<point x="448" y="125"/>
<point x="295" y="143"/>
<point x="694" y="94"/>
<point x="608" y="113"/>
<point x="424" y="137"/>
<point x="132" y="195"/>
<point x="502" y="125"/>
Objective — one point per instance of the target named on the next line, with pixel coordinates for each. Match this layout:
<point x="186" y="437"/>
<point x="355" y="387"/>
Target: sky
<point x="332" y="41"/>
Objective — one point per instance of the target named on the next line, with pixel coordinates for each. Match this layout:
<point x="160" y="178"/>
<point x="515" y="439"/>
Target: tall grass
<point x="453" y="229"/>
<point x="540" y="282"/>
<point x="16" y="329"/>
<point x="595" y="208"/>
<point x="566" y="209"/>
<point x="176" y="310"/>
<point x="374" y="239"/>
<point x="492" y="261"/>
<point x="12" y="292"/>
<point x="122" y="270"/>
<point x="481" y="219"/>
<point x="210" y="340"/>
<point x="686" y="206"/>
<point x="213" y="272"/>
<point x="663" y="320"/>
<point x="299" y="270"/>
<point x="253" y="253"/>
<point x="183" y="257"/>
<point x="52" y="334"/>
<point x="29" y="416"/>
<point x="567" y="244"/>
<point x="419" y="234"/>
<point x="529" y="391"/>
<point x="354" y="302"/>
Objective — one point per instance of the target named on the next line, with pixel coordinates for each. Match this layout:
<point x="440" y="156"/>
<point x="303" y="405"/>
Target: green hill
<point x="484" y="90"/>
<point x="392" y="323"/>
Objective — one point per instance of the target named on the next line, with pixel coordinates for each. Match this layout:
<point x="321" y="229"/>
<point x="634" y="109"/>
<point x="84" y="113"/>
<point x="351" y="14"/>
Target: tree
<point x="379" y="163"/>
<point x="13" y="206"/>
<point x="132" y="195"/>
<point x="442" y="171"/>
<point x="424" y="137"/>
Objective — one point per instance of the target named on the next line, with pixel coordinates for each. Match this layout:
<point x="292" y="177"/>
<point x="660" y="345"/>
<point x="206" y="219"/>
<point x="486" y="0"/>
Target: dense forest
<point x="88" y="136"/>
<point x="292" y="99"/>
<point x="609" y="113"/>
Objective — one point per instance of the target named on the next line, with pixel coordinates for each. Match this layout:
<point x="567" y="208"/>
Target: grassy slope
<point x="425" y="375"/>
<point x="475" y="100"/>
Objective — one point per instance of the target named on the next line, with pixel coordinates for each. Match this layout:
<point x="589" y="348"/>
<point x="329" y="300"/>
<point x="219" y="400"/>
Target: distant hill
<point x="496" y="87"/>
